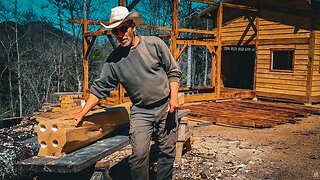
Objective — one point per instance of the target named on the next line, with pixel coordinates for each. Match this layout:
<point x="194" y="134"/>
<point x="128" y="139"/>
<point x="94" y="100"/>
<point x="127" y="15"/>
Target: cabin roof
<point x="295" y="12"/>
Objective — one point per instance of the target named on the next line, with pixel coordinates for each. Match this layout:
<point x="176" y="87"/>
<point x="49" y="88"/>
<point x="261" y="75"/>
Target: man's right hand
<point x="91" y="102"/>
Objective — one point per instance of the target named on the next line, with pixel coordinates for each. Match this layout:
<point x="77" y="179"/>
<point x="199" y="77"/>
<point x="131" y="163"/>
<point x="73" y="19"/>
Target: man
<point x="148" y="72"/>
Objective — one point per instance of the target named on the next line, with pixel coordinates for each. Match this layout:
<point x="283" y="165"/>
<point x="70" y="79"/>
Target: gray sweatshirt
<point x="144" y="71"/>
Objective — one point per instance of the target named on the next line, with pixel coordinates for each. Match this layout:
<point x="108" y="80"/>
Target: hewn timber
<point x="58" y="137"/>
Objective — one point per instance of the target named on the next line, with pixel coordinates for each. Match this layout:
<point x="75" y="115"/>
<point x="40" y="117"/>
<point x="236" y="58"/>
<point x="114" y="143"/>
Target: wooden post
<point x="256" y="47"/>
<point x="174" y="30"/>
<point x="312" y="42"/>
<point x="85" y="80"/>
<point x="218" y="51"/>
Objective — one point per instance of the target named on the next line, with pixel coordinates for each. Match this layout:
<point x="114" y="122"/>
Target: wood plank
<point x="297" y="46"/>
<point x="282" y="81"/>
<point x="275" y="31"/>
<point x="280" y="86"/>
<point x="280" y="36"/>
<point x="237" y="34"/>
<point x="280" y="91"/>
<point x="297" y="72"/>
<point x="275" y="95"/>
<point x="75" y="161"/>
<point x="200" y="97"/>
<point x="280" y="75"/>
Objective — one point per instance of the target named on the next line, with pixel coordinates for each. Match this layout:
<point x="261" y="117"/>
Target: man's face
<point x="125" y="33"/>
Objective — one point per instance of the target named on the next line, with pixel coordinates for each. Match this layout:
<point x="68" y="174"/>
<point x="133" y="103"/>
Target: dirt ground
<point x="288" y="151"/>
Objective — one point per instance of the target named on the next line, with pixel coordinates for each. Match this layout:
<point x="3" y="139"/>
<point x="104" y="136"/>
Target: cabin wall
<point x="316" y="70"/>
<point x="288" y="85"/>
<point x="238" y="30"/>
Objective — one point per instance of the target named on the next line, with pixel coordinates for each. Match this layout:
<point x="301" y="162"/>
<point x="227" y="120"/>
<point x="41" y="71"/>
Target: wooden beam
<point x="312" y="44"/>
<point x="245" y="32"/>
<point x="174" y="29"/>
<point x="197" y="42"/>
<point x="181" y="50"/>
<point x="210" y="48"/>
<point x="256" y="47"/>
<point x="218" y="52"/>
<point x="197" y="88"/>
<point x="90" y="43"/>
<point x="235" y="6"/>
<point x="98" y="33"/>
<point x="142" y="26"/>
<point x="236" y="43"/>
<point x="85" y="79"/>
<point x="58" y="137"/>
<point x="133" y="4"/>
<point x="200" y="97"/>
<point x="208" y="10"/>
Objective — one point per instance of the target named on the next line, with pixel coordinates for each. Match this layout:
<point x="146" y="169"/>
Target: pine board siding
<point x="279" y="31"/>
<point x="281" y="83"/>
<point x="235" y="30"/>
<point x="316" y="67"/>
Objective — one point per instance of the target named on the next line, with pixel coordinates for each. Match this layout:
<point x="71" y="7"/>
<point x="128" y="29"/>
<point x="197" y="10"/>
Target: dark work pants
<point x="143" y="124"/>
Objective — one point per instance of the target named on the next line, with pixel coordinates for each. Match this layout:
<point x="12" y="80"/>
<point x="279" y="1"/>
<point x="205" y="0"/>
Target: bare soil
<point x="287" y="151"/>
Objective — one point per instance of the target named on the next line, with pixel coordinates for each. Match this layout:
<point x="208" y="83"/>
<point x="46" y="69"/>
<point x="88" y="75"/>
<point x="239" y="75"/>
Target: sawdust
<point x="288" y="151"/>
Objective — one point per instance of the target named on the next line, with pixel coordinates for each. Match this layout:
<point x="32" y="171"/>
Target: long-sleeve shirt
<point x="145" y="71"/>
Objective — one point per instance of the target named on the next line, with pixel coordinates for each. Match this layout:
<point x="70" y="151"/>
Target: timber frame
<point x="214" y="45"/>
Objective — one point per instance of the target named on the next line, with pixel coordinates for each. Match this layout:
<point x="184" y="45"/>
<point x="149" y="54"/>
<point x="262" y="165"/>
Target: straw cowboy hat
<point x="120" y="14"/>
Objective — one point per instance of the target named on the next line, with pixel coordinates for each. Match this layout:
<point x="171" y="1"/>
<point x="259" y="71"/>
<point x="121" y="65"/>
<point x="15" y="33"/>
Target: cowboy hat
<point x="120" y="14"/>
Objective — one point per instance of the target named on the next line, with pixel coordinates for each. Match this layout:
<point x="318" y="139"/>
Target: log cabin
<point x="271" y="47"/>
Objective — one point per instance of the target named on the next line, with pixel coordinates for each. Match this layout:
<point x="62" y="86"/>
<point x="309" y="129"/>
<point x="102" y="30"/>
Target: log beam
<point x="59" y="137"/>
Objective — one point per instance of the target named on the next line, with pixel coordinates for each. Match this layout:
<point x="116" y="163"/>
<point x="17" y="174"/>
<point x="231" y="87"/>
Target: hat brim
<point x="134" y="16"/>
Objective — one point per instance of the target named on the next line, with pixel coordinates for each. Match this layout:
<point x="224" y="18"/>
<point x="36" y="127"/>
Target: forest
<point x="41" y="51"/>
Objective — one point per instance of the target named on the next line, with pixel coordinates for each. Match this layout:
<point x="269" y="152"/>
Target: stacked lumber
<point x="247" y="113"/>
<point x="68" y="101"/>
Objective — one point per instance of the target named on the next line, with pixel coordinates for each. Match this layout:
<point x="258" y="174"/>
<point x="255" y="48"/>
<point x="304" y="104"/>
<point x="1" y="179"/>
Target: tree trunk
<point x="18" y="58"/>
<point x="189" y="66"/>
<point x="13" y="114"/>
<point x="206" y="64"/>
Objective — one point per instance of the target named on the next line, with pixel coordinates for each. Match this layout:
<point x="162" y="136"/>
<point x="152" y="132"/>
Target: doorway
<point x="237" y="66"/>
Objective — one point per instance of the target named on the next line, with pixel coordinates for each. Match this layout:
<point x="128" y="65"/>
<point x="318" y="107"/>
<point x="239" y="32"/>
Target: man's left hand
<point x="173" y="105"/>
